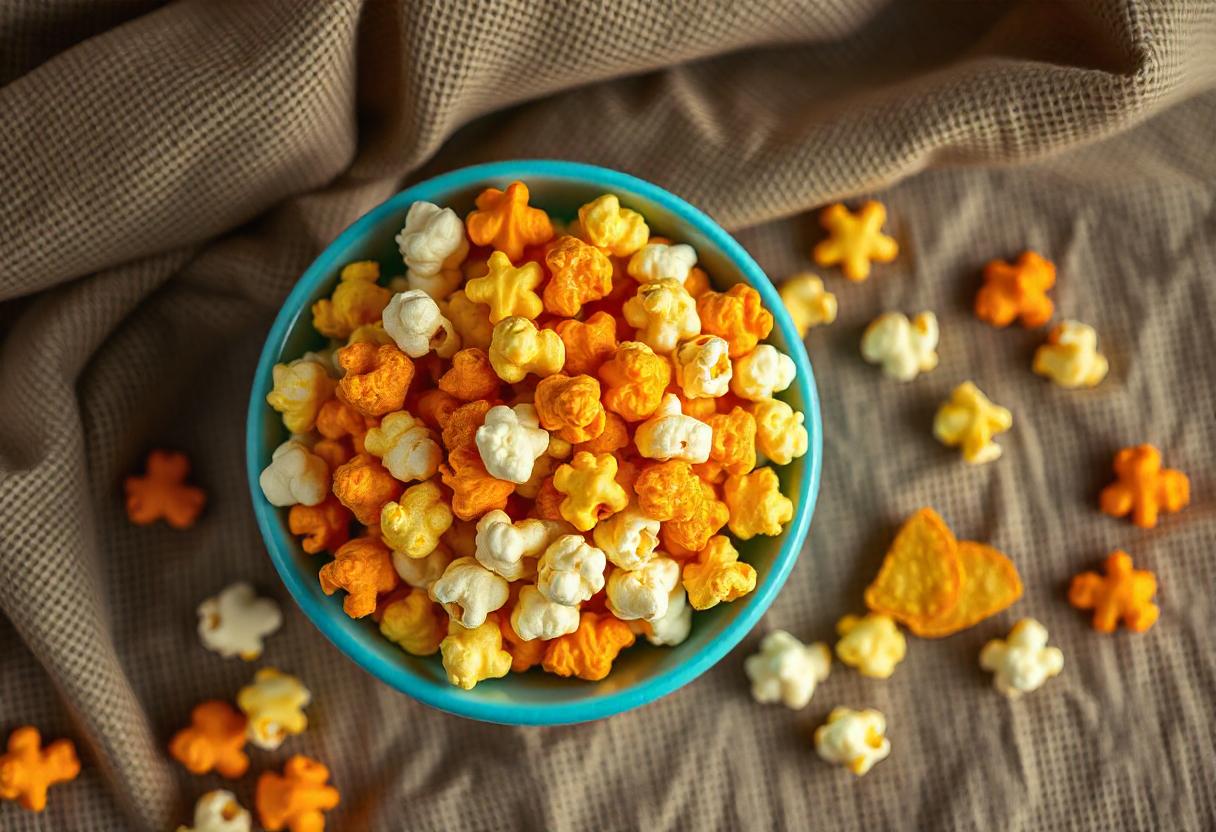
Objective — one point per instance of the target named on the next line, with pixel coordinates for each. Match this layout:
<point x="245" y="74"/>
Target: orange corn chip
<point x="921" y="576"/>
<point x="990" y="584"/>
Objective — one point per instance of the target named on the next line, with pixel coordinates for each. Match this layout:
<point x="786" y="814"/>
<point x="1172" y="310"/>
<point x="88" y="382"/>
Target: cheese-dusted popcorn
<point x="1019" y="289"/>
<point x="363" y="485"/>
<point x="1070" y="358"/>
<point x="235" y="622"/>
<point x="1144" y="488"/>
<point x="872" y="644"/>
<point x="414" y="524"/>
<point x="591" y="489"/>
<point x="421" y="573"/>
<point x="663" y="313"/>
<point x="517" y="348"/>
<point x="659" y="261"/>
<point x="737" y="316"/>
<point x="570" y="570"/>
<point x="780" y="433"/>
<point x="578" y="273"/>
<point x="414" y="623"/>
<point x="413" y="320"/>
<point x="672" y="627"/>
<point x="854" y="739"/>
<point x="507" y="547"/>
<point x="300" y="388"/>
<point x="761" y="373"/>
<point x="786" y="670"/>
<point x="703" y="367"/>
<point x="507" y="290"/>
<point x="297" y="799"/>
<point x="669" y="434"/>
<point x="510" y="440"/>
<point x="214" y="740"/>
<point x="274" y="705"/>
<point x="376" y="379"/>
<point x="1023" y="662"/>
<point x="756" y="504"/>
<point x="356" y="301"/>
<point x="433" y="245"/>
<point x="363" y="568"/>
<point x="717" y="575"/>
<point x="606" y="224"/>
<point x="903" y="348"/>
<point x="219" y="811"/>
<point x="808" y="303"/>
<point x="970" y="421"/>
<point x="536" y="617"/>
<point x="295" y="475"/>
<point x="405" y="446"/>
<point x="469" y="591"/>
<point x="635" y="379"/>
<point x="588" y="652"/>
<point x="855" y="240"/>
<point x="629" y="538"/>
<point x="470" y="319"/>
<point x="588" y="343"/>
<point x="570" y="408"/>
<point x="473" y="654"/>
<point x="643" y="593"/>
<point x="506" y="221"/>
<point x="733" y="449"/>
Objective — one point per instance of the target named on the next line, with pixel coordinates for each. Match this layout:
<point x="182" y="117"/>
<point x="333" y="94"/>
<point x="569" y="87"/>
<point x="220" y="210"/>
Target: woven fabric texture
<point x="168" y="171"/>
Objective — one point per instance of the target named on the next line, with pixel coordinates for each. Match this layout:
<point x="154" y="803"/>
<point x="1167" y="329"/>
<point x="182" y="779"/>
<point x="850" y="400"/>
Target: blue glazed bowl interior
<point x="643" y="673"/>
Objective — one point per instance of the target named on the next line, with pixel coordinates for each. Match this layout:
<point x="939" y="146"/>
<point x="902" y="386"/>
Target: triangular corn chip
<point x="921" y="576"/>
<point x="990" y="584"/>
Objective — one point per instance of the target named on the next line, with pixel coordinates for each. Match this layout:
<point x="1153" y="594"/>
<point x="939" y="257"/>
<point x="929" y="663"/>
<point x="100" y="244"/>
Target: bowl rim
<point x="453" y="700"/>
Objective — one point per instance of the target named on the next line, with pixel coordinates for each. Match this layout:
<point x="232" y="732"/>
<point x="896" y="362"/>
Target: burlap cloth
<point x="166" y="173"/>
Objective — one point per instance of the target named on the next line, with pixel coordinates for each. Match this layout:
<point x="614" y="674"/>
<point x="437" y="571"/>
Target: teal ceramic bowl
<point x="643" y="673"/>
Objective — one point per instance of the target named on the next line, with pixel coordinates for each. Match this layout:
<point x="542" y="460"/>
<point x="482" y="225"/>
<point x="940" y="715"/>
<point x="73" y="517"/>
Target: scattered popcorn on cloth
<point x="274" y="705"/>
<point x="1017" y="290"/>
<point x="1021" y="663"/>
<point x="903" y="348"/>
<point x="297" y="799"/>
<point x="219" y="811"/>
<point x="855" y="240"/>
<point x="854" y="739"/>
<point x="970" y="421"/>
<point x="1122" y="595"/>
<point x="872" y="644"/>
<point x="235" y="622"/>
<point x="162" y="492"/>
<point x="1144" y="489"/>
<point x="809" y="304"/>
<point x="1070" y="358"/>
<point x="786" y="670"/>
<point x="28" y="768"/>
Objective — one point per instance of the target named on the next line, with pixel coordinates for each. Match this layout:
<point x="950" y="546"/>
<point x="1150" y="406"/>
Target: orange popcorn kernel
<point x="697" y="282"/>
<point x="1122" y="594"/>
<point x="737" y="316"/>
<point x="463" y="422"/>
<point x="590" y="488"/>
<point x="733" y="450"/>
<point x="474" y="491"/>
<point x="635" y="379"/>
<point x="471" y="377"/>
<point x="580" y="273"/>
<point x="435" y="406"/>
<point x="504" y="220"/>
<point x="1143" y="488"/>
<point x="570" y="406"/>
<point x="668" y="491"/>
<point x="363" y="567"/>
<point x="717" y="575"/>
<point x="548" y="502"/>
<point x="589" y="651"/>
<point x="588" y="343"/>
<point x="323" y="527"/>
<point x="215" y="741"/>
<point x="336" y="419"/>
<point x="27" y="770"/>
<point x="525" y="655"/>
<point x="162" y="492"/>
<point x="297" y="798"/>
<point x="376" y="379"/>
<point x="363" y="485"/>
<point x="1013" y="290"/>
<point x="335" y="452"/>
<point x="684" y="537"/>
<point x="614" y="438"/>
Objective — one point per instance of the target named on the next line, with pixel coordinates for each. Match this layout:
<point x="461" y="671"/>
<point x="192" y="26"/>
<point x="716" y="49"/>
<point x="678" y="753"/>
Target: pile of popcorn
<point x="539" y="443"/>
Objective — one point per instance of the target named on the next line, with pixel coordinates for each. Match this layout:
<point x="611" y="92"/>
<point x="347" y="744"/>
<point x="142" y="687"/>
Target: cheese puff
<point x="214" y="741"/>
<point x="295" y="475"/>
<point x="469" y="591"/>
<point x="614" y="438"/>
<point x="300" y="388"/>
<point x="634" y="381"/>
<point x="717" y="575"/>
<point x="163" y="493"/>
<point x="970" y="420"/>
<point x="471" y="377"/>
<point x="668" y="491"/>
<point x="28" y="770"/>
<point x="580" y="273"/>
<point x="297" y="799"/>
<point x="525" y="655"/>
<point x="871" y="643"/>
<point x="570" y="570"/>
<point x="322" y="528"/>
<point x="1013" y="290"/>
<point x="336" y="419"/>
<point x="808" y="303"/>
<point x="620" y="231"/>
<point x="435" y="406"/>
<point x="693" y="534"/>
<point x="628" y="538"/>
<point x="703" y="367"/>
<point x="1070" y="358"/>
<point x="588" y="652"/>
<point x="335" y="452"/>
<point x="780" y="433"/>
<point x="737" y="316"/>
<point x="357" y="300"/>
<point x="643" y="593"/>
<point x="669" y="434"/>
<point x="761" y="373"/>
<point x="732" y="450"/>
<point x="663" y="314"/>
<point x="1144" y="488"/>
<point x="518" y="348"/>
<point x="363" y="485"/>
<point x="1124" y="594"/>
<point x="756" y="504"/>
<point x="421" y="573"/>
<point x="507" y="290"/>
<point x="510" y="441"/>
<point x="570" y="407"/>
<point x="504" y="220"/>
<point x="461" y="428"/>
<point x="471" y="655"/>
<point x="376" y="378"/>
<point x="414" y="524"/>
<point x="592" y="492"/>
<point x="548" y="501"/>
<point x="274" y="706"/>
<point x="364" y="569"/>
<point x="588" y="343"/>
<point x="433" y="245"/>
<point x="535" y="617"/>
<point x="406" y="448"/>
<point x="413" y="322"/>
<point x="470" y="319"/>
<point x="660" y="261"/>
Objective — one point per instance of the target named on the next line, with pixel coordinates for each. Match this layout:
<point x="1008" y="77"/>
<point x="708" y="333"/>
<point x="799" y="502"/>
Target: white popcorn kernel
<point x="509" y="548"/>
<point x="406" y="446"/>
<point x="413" y="320"/>
<point x="672" y="434"/>
<point x="235" y="622"/>
<point x="1023" y="662"/>
<point x="535" y="616"/>
<point x="903" y="348"/>
<point x="659" y="261"/>
<point x="761" y="373"/>
<point x="510" y="440"/>
<point x="703" y="367"/>
<point x="643" y="593"/>
<point x="629" y="538"/>
<point x="295" y="475"/>
<point x="469" y="592"/>
<point x="855" y="739"/>
<point x="570" y="570"/>
<point x="786" y="670"/>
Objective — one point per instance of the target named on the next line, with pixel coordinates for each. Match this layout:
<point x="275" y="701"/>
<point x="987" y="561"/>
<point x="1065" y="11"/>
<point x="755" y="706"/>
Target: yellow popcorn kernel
<point x="356" y="301"/>
<point x="473" y="654"/>
<point x="592" y="492"/>
<point x="756" y="504"/>
<point x="414" y="623"/>
<point x="414" y="524"/>
<point x="606" y="224"/>
<point x="970" y="420"/>
<point x="471" y="320"/>
<point x="507" y="290"/>
<point x="808" y="303"/>
<point x="300" y="388"/>
<point x="1070" y="357"/>
<point x="517" y="348"/>
<point x="717" y="575"/>
<point x="855" y="239"/>
<point x="274" y="704"/>
<point x="872" y="644"/>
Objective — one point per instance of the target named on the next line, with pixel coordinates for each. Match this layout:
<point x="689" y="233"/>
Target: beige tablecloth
<point x="167" y="172"/>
